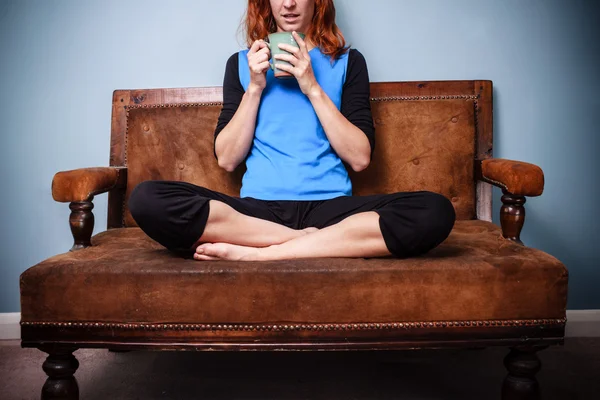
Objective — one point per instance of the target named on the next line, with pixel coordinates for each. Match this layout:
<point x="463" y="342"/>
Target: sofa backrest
<point x="428" y="135"/>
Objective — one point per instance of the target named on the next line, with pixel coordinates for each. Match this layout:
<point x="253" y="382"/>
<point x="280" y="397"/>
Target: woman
<point x="295" y="136"/>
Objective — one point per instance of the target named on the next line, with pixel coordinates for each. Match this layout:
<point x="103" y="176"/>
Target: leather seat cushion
<point x="125" y="276"/>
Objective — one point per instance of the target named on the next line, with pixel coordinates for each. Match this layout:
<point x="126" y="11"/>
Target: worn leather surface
<point x="84" y="183"/>
<point x="475" y="274"/>
<point x="175" y="143"/>
<point x="516" y="177"/>
<point x="421" y="145"/>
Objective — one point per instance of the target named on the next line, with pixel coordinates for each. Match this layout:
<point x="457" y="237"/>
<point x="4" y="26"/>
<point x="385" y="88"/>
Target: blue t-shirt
<point x="291" y="157"/>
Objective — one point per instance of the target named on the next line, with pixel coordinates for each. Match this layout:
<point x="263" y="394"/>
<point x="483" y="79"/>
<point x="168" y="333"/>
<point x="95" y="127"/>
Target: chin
<point x="291" y="27"/>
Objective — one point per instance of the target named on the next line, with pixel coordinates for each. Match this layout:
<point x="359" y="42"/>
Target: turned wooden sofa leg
<point x="60" y="366"/>
<point x="522" y="364"/>
<point x="512" y="216"/>
<point x="81" y="221"/>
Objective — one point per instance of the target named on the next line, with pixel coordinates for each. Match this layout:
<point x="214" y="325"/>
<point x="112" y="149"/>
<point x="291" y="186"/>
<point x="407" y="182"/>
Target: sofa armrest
<point x="79" y="187"/>
<point x="516" y="179"/>
<point x="83" y="184"/>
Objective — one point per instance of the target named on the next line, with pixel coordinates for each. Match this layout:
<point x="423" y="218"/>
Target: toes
<point x="205" y="248"/>
<point x="203" y="257"/>
<point x="207" y="252"/>
<point x="215" y="250"/>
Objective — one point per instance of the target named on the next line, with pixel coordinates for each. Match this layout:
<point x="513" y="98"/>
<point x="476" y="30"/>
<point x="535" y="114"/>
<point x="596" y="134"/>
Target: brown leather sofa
<point x="481" y="287"/>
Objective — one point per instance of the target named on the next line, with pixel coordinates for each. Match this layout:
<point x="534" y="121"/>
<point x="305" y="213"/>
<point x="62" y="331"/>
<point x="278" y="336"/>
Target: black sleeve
<point x="356" y="103"/>
<point x="233" y="91"/>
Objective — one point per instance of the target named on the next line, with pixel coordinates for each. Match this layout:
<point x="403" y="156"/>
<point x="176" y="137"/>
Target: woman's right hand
<point x="258" y="63"/>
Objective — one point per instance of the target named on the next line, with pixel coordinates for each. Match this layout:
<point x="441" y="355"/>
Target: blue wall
<point x="60" y="61"/>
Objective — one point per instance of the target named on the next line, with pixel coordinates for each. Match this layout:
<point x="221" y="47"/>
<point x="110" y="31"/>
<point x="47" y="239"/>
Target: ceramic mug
<point x="273" y="41"/>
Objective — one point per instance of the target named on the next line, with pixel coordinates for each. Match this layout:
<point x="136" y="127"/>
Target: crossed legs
<point x="220" y="227"/>
<point x="358" y="235"/>
<point x="226" y="225"/>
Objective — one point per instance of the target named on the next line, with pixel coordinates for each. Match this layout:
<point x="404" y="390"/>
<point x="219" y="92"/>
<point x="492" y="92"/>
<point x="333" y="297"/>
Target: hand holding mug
<point x="300" y="67"/>
<point x="258" y="63"/>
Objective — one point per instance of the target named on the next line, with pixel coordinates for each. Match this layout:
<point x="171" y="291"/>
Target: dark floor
<point x="568" y="372"/>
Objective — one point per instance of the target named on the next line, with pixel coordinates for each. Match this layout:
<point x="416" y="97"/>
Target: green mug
<point x="273" y="41"/>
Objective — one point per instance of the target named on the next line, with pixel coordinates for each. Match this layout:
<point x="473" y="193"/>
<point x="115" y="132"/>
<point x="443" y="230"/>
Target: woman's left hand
<point x="301" y="67"/>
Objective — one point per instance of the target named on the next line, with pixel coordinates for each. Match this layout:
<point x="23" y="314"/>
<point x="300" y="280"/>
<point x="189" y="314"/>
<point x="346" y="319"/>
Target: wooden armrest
<point x="83" y="184"/>
<point x="515" y="177"/>
<point x="517" y="180"/>
<point x="79" y="186"/>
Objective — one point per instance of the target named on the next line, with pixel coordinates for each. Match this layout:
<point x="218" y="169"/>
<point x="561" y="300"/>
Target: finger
<point x="290" y="49"/>
<point x="264" y="45"/>
<point x="287" y="57"/>
<point x="260" y="57"/>
<point x="255" y="47"/>
<point x="257" y="58"/>
<point x="262" y="53"/>
<point x="263" y="66"/>
<point x="264" y="50"/>
<point x="301" y="43"/>
<point x="286" y="68"/>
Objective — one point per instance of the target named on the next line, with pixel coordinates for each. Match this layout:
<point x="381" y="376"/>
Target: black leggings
<point x="174" y="214"/>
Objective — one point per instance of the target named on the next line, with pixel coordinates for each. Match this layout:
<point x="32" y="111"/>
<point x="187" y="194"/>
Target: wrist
<point x="315" y="92"/>
<point x="254" y="90"/>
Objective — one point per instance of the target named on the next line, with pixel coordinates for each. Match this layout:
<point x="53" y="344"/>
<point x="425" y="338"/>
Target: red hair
<point x="323" y="31"/>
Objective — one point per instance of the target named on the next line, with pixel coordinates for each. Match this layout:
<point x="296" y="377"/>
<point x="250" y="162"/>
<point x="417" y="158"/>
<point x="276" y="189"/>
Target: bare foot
<point x="299" y="233"/>
<point x="225" y="251"/>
